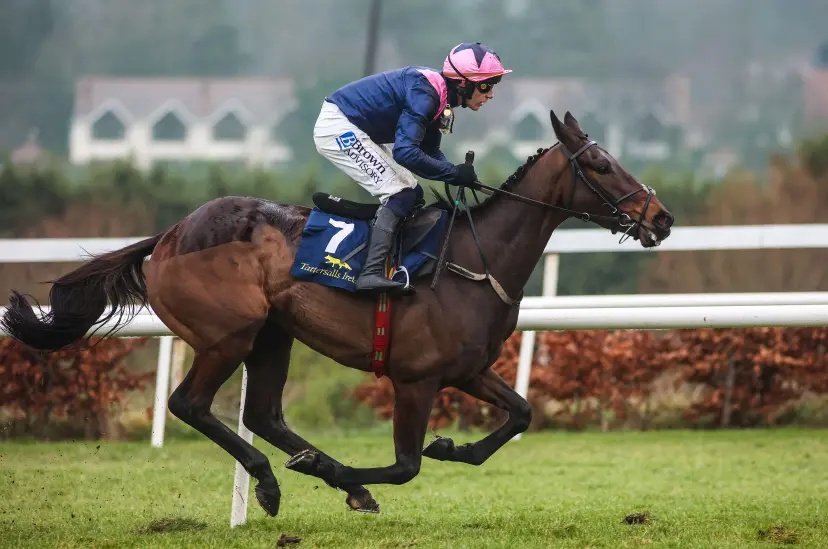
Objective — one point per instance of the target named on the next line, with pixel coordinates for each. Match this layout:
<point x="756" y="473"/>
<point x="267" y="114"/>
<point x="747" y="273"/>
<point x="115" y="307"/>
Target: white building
<point x="181" y="119"/>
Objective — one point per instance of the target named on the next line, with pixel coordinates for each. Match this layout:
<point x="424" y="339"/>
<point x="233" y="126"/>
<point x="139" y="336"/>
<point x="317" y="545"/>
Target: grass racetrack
<point x="760" y="488"/>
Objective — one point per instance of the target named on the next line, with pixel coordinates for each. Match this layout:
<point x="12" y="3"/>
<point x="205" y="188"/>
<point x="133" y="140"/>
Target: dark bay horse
<point x="220" y="280"/>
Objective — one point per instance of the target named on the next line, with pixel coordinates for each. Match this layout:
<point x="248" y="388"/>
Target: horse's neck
<point x="513" y="234"/>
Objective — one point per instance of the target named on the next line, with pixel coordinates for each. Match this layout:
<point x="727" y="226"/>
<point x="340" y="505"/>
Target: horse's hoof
<point x="441" y="448"/>
<point x="269" y="499"/>
<point x="363" y="502"/>
<point x="303" y="462"/>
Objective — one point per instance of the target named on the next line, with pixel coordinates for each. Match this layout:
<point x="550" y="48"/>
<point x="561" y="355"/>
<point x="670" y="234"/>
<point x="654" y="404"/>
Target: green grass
<point x="699" y="489"/>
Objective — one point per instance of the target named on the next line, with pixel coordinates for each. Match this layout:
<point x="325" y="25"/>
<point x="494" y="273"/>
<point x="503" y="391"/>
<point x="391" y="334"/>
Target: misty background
<point x="745" y="61"/>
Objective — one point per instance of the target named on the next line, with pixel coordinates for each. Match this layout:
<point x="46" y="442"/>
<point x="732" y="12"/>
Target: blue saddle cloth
<point x="333" y="248"/>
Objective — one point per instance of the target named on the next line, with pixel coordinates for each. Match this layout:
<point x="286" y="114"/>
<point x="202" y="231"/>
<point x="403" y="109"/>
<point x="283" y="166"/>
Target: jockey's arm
<point x="411" y="141"/>
<point x="431" y="144"/>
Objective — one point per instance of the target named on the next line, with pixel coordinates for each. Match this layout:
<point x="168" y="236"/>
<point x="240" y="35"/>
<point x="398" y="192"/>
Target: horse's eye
<point x="602" y="168"/>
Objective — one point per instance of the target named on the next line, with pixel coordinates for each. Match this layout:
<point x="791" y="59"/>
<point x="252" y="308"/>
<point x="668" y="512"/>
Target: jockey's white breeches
<point x="352" y="151"/>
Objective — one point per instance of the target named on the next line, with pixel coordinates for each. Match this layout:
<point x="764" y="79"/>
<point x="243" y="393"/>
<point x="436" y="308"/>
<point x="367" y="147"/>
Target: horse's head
<point x="602" y="188"/>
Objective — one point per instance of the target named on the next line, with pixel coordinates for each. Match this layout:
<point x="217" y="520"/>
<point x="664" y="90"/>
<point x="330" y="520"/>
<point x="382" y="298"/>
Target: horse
<point x="220" y="280"/>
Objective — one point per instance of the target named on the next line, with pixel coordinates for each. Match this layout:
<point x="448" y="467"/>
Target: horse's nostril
<point x="664" y="220"/>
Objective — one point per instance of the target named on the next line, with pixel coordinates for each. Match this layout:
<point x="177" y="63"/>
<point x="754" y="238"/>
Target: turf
<point x="679" y="489"/>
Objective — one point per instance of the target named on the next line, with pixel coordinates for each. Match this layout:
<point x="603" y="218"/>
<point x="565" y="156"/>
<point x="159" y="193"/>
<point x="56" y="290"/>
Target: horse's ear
<point x="571" y="123"/>
<point x="564" y="134"/>
<point x="556" y="124"/>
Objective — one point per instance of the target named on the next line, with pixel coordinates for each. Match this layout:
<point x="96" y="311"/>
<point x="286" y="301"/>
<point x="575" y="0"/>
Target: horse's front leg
<point x="489" y="387"/>
<point x="412" y="408"/>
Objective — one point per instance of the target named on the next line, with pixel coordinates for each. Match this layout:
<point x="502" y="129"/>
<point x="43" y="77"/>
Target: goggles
<point x="486" y="85"/>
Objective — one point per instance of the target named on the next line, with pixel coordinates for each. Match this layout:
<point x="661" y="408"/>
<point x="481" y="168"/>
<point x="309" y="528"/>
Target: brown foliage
<point x="79" y="384"/>
<point x="749" y="376"/>
<point x="598" y="370"/>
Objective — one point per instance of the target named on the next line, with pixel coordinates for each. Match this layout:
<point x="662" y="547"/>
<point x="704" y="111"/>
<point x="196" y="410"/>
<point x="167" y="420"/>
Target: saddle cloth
<point x="334" y="246"/>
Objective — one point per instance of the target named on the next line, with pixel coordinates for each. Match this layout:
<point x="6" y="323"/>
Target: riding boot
<point x="373" y="277"/>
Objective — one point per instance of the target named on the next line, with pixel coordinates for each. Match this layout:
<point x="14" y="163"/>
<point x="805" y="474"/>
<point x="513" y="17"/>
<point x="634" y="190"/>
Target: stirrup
<point x="402" y="269"/>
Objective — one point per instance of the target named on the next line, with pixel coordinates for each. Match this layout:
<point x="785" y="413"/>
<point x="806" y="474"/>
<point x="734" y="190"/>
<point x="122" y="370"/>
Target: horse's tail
<point x="79" y="298"/>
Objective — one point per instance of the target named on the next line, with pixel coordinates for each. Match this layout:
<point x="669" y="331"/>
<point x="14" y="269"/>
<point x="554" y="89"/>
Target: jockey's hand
<point x="466" y="177"/>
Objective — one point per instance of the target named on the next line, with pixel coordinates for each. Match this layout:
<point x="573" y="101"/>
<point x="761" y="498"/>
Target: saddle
<point x="412" y="233"/>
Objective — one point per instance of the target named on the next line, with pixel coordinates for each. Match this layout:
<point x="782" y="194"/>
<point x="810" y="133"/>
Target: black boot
<point x="373" y="277"/>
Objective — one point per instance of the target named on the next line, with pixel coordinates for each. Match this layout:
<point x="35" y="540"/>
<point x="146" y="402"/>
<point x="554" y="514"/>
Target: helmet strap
<point x="467" y="89"/>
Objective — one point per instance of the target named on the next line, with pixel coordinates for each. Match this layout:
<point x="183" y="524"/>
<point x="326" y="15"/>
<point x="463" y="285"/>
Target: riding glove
<point x="466" y="177"/>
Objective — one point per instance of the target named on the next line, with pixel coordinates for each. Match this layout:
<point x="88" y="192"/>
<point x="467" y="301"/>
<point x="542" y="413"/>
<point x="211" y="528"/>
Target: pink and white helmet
<point x="473" y="61"/>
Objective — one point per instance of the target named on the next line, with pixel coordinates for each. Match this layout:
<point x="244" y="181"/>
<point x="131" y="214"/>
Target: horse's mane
<point x="446" y="203"/>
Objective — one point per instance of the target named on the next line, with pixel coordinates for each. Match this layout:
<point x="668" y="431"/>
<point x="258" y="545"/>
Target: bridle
<point x="620" y="221"/>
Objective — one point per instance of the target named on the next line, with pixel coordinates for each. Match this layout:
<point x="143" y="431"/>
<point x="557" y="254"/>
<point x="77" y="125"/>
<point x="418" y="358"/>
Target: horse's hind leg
<point x="488" y="387"/>
<point x="191" y="403"/>
<point x="267" y="371"/>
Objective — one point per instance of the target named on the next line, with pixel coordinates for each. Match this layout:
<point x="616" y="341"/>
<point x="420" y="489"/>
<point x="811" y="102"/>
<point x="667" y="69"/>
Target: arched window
<point x="229" y="128"/>
<point x="108" y="127"/>
<point x="169" y="128"/>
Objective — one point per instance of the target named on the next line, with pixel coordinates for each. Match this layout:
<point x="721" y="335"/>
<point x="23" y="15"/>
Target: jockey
<point x="408" y="107"/>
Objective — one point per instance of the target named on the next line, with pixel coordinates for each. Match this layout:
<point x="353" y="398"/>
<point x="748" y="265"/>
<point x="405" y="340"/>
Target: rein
<point x="622" y="219"/>
<point x="619" y="218"/>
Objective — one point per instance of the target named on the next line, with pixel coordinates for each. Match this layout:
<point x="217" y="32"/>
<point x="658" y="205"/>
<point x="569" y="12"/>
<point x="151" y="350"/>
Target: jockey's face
<point x="478" y="98"/>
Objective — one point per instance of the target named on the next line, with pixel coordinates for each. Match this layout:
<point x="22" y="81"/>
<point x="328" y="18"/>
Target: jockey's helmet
<point x="476" y="63"/>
